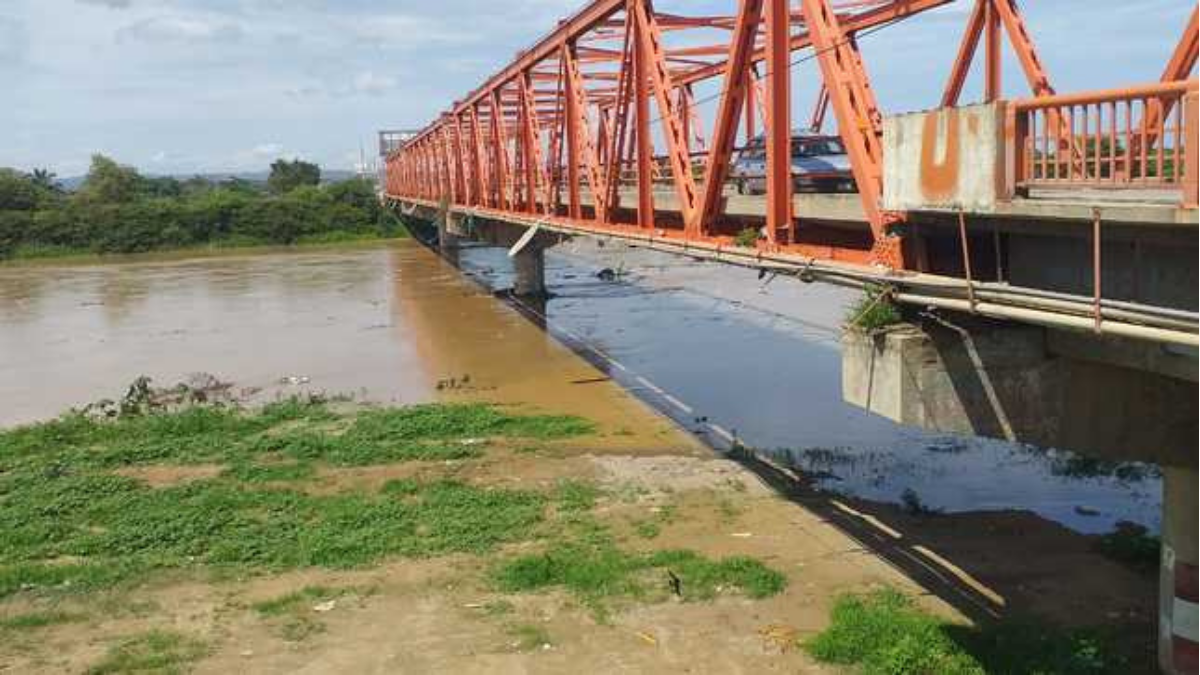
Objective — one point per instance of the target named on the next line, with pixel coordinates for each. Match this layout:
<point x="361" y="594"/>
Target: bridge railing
<point x="1138" y="137"/>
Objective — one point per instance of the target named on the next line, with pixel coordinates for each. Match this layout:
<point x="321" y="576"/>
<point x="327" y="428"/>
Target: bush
<point x="119" y="211"/>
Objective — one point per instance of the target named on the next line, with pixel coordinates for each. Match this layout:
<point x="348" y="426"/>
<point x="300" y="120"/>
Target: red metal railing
<point x="1119" y="138"/>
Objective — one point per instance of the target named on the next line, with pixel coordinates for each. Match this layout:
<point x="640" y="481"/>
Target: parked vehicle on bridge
<point x="819" y="164"/>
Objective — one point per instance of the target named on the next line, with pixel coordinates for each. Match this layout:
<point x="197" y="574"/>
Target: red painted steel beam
<point x="644" y="143"/>
<point x="966" y="54"/>
<point x="859" y="121"/>
<point x="650" y="42"/>
<point x="733" y="99"/>
<point x="887" y="13"/>
<point x="585" y="149"/>
<point x="779" y="120"/>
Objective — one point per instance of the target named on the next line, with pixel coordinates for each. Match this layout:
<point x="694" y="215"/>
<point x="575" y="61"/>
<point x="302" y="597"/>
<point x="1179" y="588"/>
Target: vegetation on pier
<point x="118" y="210"/>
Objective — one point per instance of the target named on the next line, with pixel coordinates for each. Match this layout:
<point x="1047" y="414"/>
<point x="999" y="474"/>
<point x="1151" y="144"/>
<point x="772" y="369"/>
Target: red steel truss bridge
<point x="1071" y="210"/>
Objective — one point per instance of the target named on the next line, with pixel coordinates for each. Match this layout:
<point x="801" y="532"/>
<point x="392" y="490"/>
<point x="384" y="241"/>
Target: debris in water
<point x="325" y="606"/>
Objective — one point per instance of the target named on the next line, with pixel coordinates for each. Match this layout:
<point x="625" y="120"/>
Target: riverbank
<point x="328" y="535"/>
<point x="403" y="325"/>
<point x="334" y="240"/>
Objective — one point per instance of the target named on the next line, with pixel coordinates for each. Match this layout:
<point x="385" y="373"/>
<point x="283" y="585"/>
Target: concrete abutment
<point x="1114" y="399"/>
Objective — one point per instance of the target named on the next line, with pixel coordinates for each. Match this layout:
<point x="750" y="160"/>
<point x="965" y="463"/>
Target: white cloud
<point x="171" y="29"/>
<point x="266" y="150"/>
<point x="369" y="83"/>
<point x="112" y="4"/>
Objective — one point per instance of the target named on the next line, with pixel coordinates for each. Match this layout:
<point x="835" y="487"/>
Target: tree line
<point x="118" y="210"/>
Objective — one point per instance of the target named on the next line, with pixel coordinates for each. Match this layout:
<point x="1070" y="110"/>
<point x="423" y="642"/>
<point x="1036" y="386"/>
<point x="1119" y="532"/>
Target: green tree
<point x="45" y="180"/>
<point x="17" y="191"/>
<point x="289" y="175"/>
<point x="109" y="183"/>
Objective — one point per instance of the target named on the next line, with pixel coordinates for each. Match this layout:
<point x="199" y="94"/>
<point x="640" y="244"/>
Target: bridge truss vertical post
<point x="751" y="103"/>
<point x="966" y="54"/>
<point x="616" y="150"/>
<point x="650" y="42"/>
<point x="860" y="122"/>
<point x="779" y="121"/>
<point x="571" y="120"/>
<point x="737" y="88"/>
<point x="531" y="137"/>
<point x="481" y="193"/>
<point x="644" y="143"/>
<point x="499" y="152"/>
<point x="460" y="183"/>
<point x="580" y="139"/>
<point x="992" y="89"/>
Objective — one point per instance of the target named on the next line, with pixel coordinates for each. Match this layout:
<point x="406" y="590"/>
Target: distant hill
<point x="327" y="176"/>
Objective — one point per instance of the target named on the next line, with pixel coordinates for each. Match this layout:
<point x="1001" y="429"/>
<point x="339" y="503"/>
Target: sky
<point x="185" y="86"/>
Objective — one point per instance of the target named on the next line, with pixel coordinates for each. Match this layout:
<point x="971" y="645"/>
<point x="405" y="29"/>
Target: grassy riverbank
<point x="177" y="530"/>
<point x="103" y="505"/>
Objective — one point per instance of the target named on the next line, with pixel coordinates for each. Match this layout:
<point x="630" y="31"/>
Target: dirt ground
<point x="440" y="615"/>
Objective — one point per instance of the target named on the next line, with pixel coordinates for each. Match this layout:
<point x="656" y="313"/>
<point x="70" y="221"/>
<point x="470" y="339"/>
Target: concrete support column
<point x="1177" y="650"/>
<point x="447" y="239"/>
<point x="529" y="271"/>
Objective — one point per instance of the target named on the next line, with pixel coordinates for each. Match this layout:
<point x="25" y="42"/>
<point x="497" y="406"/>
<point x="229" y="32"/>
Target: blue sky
<point x="176" y="86"/>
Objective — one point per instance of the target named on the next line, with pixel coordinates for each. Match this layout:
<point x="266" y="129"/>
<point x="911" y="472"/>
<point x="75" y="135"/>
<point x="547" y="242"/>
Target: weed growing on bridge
<point x="746" y="237"/>
<point x="873" y="311"/>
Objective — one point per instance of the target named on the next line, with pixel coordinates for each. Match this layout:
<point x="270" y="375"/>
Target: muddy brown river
<point x="716" y="349"/>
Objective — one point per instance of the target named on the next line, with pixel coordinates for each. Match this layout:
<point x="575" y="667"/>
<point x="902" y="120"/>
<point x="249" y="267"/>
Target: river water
<point x="717" y="348"/>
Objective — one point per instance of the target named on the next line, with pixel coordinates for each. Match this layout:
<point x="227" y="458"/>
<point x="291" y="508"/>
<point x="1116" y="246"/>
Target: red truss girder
<point x="603" y="100"/>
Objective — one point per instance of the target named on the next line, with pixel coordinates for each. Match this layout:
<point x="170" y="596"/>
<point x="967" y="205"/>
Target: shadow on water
<point x="960" y="516"/>
<point x="761" y="360"/>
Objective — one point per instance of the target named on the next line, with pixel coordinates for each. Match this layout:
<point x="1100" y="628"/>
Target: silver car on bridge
<point x="819" y="164"/>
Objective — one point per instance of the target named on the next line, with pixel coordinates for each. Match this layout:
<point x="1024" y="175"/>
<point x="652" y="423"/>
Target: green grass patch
<point x="293" y="615"/>
<point x="32" y="620"/>
<point x="157" y="651"/>
<point x="528" y="636"/>
<point x="70" y="523"/>
<point x="591" y="567"/>
<point x="885" y="633"/>
<point x="303" y="598"/>
<point x="1132" y="545"/>
<point x="576" y="496"/>
<point x="647" y="529"/>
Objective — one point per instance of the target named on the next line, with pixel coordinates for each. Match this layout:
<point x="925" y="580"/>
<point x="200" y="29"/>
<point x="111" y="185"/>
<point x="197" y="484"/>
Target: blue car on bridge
<point x="819" y="164"/>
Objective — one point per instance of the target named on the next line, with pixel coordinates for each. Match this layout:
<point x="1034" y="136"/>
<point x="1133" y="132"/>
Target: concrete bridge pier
<point x="1113" y="399"/>
<point x="529" y="271"/>
<point x="449" y="228"/>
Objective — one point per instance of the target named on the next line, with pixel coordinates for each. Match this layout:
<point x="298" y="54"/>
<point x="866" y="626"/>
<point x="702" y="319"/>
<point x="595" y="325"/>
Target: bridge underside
<point x="1023" y="268"/>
